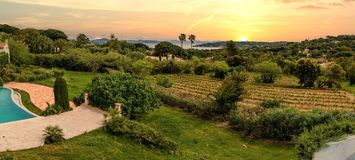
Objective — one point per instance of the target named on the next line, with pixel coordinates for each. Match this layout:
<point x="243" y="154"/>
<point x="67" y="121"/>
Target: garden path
<point x="28" y="133"/>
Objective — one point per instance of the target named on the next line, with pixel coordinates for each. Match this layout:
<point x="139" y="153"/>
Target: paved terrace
<point x="39" y="94"/>
<point x="28" y="133"/>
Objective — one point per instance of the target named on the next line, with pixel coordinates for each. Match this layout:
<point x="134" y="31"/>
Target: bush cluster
<point x="20" y="74"/>
<point x="135" y="94"/>
<point x="139" y="132"/>
<point x="283" y="123"/>
<point x="273" y="103"/>
<point x="311" y="140"/>
<point x="164" y="81"/>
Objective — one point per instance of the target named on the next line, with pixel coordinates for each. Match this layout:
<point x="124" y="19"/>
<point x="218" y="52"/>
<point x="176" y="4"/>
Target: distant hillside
<point x="100" y="41"/>
<point x="242" y="44"/>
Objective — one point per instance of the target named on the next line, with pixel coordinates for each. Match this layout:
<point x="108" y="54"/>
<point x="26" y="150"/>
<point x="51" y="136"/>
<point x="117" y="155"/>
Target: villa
<point x="4" y="47"/>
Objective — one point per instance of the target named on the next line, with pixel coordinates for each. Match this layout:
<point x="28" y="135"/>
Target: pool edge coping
<point x="19" y="103"/>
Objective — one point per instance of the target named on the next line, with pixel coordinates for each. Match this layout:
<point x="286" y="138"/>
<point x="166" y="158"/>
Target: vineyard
<point x="304" y="99"/>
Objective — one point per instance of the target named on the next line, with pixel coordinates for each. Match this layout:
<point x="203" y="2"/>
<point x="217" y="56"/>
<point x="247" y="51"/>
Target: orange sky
<point x="258" y="20"/>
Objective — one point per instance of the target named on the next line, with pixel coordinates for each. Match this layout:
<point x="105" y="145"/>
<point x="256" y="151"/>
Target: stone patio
<point x="39" y="94"/>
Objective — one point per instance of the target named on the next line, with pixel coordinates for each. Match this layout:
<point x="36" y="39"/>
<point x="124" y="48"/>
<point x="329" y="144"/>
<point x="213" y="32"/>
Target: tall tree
<point x="182" y="38"/>
<point x="82" y="40"/>
<point x="61" y="91"/>
<point x="231" y="48"/>
<point x="54" y="34"/>
<point x="192" y="39"/>
<point x="307" y="72"/>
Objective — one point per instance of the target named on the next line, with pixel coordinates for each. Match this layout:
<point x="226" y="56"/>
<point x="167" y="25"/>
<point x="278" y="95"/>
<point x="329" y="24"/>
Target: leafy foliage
<point x="164" y="81"/>
<point x="307" y="72"/>
<point x="282" y="123"/>
<point x="311" y="140"/>
<point x="229" y="93"/>
<point x="61" y="91"/>
<point x="139" y="132"/>
<point x="134" y="93"/>
<point x="142" y="67"/>
<point x="274" y="103"/>
<point x="81" y="40"/>
<point x="53" y="134"/>
<point x="269" y="71"/>
<point x="220" y="69"/>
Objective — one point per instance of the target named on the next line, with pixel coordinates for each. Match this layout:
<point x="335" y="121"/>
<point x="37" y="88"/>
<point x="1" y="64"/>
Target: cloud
<point x="206" y="19"/>
<point x="311" y="7"/>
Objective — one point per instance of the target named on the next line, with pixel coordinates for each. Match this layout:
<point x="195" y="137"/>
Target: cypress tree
<point x="61" y="91"/>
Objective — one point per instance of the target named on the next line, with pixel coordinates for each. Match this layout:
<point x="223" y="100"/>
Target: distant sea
<point x="186" y="45"/>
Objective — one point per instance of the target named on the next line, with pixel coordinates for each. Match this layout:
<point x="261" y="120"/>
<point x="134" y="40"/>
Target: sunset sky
<point x="256" y="20"/>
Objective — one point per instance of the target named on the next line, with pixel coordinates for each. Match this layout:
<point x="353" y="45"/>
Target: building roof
<point x="2" y="45"/>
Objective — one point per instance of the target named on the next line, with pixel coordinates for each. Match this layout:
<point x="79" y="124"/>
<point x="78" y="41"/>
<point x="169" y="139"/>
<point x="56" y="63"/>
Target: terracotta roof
<point x="2" y="45"/>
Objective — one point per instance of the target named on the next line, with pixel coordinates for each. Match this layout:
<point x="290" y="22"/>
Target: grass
<point x="349" y="87"/>
<point x="197" y="139"/>
<point x="26" y="101"/>
<point x="76" y="81"/>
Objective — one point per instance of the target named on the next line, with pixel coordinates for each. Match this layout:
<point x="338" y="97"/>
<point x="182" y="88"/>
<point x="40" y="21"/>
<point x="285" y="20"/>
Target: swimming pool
<point x="9" y="110"/>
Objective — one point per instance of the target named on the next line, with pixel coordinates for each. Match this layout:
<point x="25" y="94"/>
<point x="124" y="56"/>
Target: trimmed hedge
<point x="312" y="140"/>
<point x="139" y="132"/>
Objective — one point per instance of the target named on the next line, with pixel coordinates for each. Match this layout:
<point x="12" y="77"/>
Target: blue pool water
<point x="9" y="110"/>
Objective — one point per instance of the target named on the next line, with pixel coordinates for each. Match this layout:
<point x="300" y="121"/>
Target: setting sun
<point x="243" y="39"/>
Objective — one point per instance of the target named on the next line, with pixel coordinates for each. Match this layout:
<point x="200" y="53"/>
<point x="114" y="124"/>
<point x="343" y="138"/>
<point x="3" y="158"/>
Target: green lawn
<point x="77" y="81"/>
<point x="197" y="139"/>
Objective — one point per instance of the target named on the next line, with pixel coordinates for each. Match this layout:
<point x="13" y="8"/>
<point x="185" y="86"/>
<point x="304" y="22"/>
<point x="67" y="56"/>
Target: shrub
<point x="220" y="69"/>
<point x="7" y="157"/>
<point x="332" y="77"/>
<point x="164" y="81"/>
<point x="3" y="58"/>
<point x="19" y="53"/>
<point x="269" y="71"/>
<point x="274" y="103"/>
<point x="201" y="69"/>
<point x="53" y="134"/>
<point x="168" y="67"/>
<point x="78" y="100"/>
<point x="312" y="140"/>
<point x="352" y="74"/>
<point x="61" y="91"/>
<point x="283" y="123"/>
<point x="52" y="110"/>
<point x="1" y="82"/>
<point x="142" y="67"/>
<point x="229" y="93"/>
<point x="135" y="94"/>
<point x="143" y="134"/>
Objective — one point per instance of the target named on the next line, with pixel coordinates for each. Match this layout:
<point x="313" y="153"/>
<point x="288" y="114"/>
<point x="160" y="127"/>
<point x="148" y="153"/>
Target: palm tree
<point x="192" y="39"/>
<point x="182" y="38"/>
